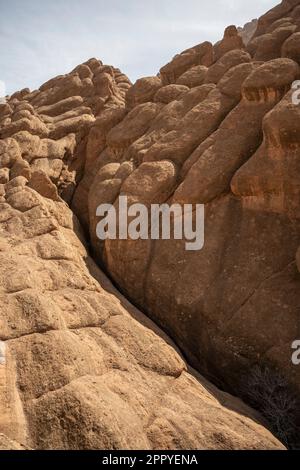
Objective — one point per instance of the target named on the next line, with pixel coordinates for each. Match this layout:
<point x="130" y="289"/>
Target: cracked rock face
<point x="80" y="367"/>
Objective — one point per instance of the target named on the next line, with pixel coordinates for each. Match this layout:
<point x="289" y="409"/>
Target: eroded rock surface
<point x="80" y="367"/>
<point x="229" y="140"/>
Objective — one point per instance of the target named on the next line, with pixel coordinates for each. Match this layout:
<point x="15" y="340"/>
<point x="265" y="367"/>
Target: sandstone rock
<point x="25" y="106"/>
<point x="135" y="124"/>
<point x="62" y="106"/>
<point x="9" y="153"/>
<point x="5" y="109"/>
<point x="169" y="93"/>
<point x="33" y="125"/>
<point x="19" y="95"/>
<point x="142" y="91"/>
<point x="8" y="444"/>
<point x="282" y="22"/>
<point x="290" y="47"/>
<point x="277" y="157"/>
<point x="41" y="183"/>
<point x="283" y="10"/>
<point x="80" y="367"/>
<point x="198" y="55"/>
<point x="231" y="82"/>
<point x="193" y="77"/>
<point x="20" y="115"/>
<point x="71" y="125"/>
<point x="247" y="32"/>
<point x="225" y="63"/>
<point x="152" y="181"/>
<point x="196" y="124"/>
<point x="234" y="146"/>
<point x="4" y="175"/>
<point x="231" y="41"/>
<point x="66" y="329"/>
<point x="210" y="176"/>
<point x="83" y="71"/>
<point x="268" y="46"/>
<point x="271" y="80"/>
<point x="20" y="168"/>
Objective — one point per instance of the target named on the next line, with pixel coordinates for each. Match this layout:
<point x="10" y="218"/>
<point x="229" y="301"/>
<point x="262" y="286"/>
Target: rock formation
<point x="247" y="31"/>
<point x="81" y="367"/>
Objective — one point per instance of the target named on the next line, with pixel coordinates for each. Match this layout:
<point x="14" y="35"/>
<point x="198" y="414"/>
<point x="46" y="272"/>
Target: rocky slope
<point x="81" y="367"/>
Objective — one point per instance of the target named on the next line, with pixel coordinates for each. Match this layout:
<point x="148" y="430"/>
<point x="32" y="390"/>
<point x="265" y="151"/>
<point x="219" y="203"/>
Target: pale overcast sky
<point x="40" y="39"/>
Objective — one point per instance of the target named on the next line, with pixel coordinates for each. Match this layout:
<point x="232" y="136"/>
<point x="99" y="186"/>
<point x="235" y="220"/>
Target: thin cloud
<point x="44" y="39"/>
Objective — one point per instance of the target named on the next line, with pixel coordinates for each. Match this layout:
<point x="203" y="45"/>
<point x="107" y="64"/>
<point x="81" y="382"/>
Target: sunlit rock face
<point x="80" y="367"/>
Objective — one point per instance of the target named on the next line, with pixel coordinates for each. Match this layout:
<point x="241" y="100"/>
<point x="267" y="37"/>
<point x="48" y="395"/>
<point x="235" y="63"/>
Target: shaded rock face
<point x="228" y="140"/>
<point x="80" y="367"/>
